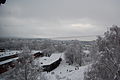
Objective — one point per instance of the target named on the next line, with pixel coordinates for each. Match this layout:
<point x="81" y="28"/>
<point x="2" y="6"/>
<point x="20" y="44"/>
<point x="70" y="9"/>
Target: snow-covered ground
<point x="66" y="72"/>
<point x="63" y="71"/>
<point x="86" y="51"/>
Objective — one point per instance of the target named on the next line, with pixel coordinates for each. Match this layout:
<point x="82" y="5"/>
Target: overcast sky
<point x="57" y="18"/>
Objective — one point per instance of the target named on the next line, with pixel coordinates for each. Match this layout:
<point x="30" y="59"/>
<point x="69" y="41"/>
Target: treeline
<point x="33" y="44"/>
<point x="36" y="44"/>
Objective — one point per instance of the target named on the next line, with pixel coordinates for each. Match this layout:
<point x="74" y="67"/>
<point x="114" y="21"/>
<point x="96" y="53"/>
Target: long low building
<point x="49" y="63"/>
<point x="7" y="58"/>
<point x="8" y="55"/>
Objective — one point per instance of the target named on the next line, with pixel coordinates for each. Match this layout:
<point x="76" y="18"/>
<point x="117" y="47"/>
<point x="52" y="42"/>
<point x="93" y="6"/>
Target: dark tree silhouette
<point x="2" y="2"/>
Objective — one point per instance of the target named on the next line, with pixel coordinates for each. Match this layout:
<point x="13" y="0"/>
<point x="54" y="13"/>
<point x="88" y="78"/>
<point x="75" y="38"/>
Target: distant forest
<point x="36" y="44"/>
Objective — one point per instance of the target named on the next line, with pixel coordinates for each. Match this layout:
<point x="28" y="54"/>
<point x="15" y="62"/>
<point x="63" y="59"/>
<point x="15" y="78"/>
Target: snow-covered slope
<point x="64" y="71"/>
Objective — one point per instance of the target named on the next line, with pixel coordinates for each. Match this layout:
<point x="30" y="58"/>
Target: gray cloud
<point x="57" y="18"/>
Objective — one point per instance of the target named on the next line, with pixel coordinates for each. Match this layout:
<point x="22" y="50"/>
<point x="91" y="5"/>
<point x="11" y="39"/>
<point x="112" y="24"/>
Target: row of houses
<point x="7" y="58"/>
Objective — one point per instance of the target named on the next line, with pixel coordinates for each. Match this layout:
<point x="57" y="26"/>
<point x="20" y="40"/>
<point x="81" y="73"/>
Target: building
<point x="50" y="63"/>
<point x="7" y="58"/>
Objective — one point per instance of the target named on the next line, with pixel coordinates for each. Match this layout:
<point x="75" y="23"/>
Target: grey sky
<point x="57" y="18"/>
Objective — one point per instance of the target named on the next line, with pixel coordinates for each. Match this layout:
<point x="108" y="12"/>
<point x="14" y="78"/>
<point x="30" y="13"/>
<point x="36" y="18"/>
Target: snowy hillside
<point x="67" y="72"/>
<point x="63" y="71"/>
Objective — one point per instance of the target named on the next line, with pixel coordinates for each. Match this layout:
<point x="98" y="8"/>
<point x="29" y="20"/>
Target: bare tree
<point x="73" y="53"/>
<point x="24" y="68"/>
<point x="2" y="2"/>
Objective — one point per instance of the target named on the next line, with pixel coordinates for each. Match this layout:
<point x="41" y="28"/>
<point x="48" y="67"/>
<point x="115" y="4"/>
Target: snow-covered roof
<point x="8" y="53"/>
<point x="8" y="60"/>
<point x="48" y="60"/>
<point x="35" y="51"/>
<point x="13" y="52"/>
